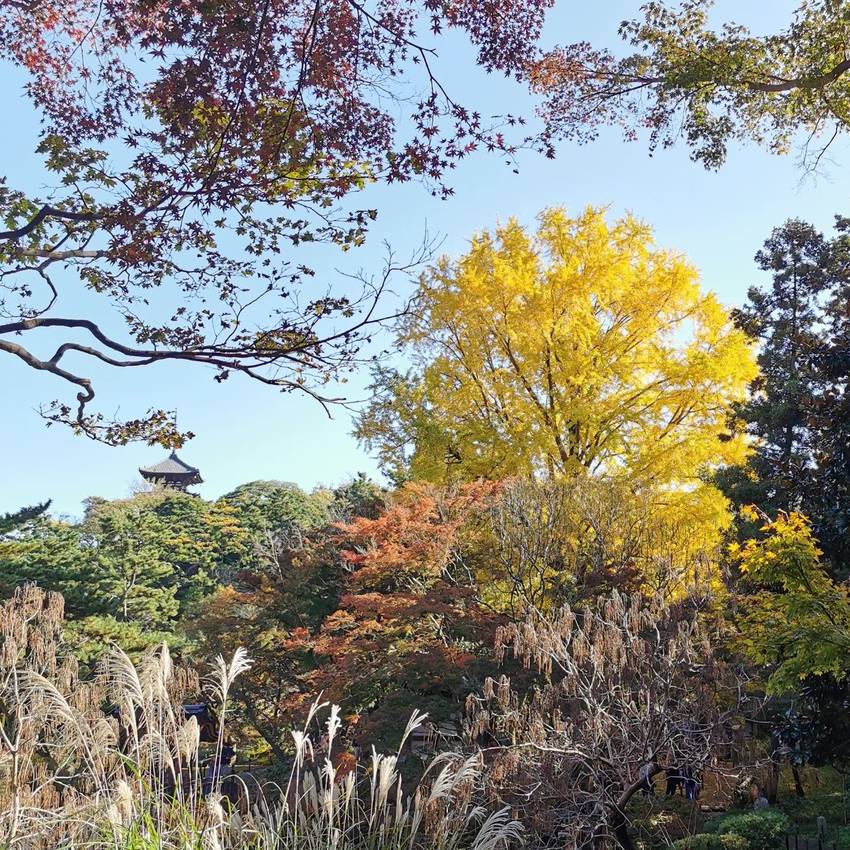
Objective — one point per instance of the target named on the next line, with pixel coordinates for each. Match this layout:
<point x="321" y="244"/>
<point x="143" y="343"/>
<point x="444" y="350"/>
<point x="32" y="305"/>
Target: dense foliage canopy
<point x="580" y="347"/>
<point x="797" y="409"/>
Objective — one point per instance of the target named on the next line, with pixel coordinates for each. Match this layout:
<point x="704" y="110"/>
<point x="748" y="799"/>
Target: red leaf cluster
<point x="406" y="629"/>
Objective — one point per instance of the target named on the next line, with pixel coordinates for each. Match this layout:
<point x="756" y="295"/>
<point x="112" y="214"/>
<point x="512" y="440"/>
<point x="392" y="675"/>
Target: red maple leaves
<point x="195" y="144"/>
<point x="405" y="628"/>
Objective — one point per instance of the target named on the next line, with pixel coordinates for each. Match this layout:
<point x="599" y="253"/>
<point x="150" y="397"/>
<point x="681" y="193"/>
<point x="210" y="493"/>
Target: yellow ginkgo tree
<point x="581" y="348"/>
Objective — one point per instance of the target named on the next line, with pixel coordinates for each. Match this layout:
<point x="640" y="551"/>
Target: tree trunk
<point x="621" y="831"/>
<point x="771" y="786"/>
<point x="617" y="819"/>
<point x="798" y="781"/>
<point x="267" y="732"/>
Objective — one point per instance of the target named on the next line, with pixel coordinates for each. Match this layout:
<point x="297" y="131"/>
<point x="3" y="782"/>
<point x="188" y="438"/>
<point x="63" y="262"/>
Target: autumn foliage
<point x="578" y="347"/>
<point x="403" y="624"/>
<point x="553" y="582"/>
<point x="190" y="148"/>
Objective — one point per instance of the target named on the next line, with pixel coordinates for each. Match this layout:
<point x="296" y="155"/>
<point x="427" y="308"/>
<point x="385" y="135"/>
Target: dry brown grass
<point x="72" y="779"/>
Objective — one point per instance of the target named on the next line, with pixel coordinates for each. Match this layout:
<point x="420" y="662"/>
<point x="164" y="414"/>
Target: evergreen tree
<point x="798" y="410"/>
<point x="277" y="518"/>
<point x="131" y="571"/>
<point x="830" y="420"/>
<point x="162" y="545"/>
<point x="133" y="580"/>
<point x="359" y="497"/>
<point x="785" y="320"/>
<point x="51" y="554"/>
<point x="278" y="507"/>
<point x="9" y="522"/>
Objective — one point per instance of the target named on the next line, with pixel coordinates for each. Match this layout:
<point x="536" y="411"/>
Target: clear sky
<point x="247" y="432"/>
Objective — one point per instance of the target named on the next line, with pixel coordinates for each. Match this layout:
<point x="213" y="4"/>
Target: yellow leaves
<point x="577" y="350"/>
<point x="799" y="620"/>
<point x="579" y="346"/>
<point x="787" y="555"/>
<point x="749" y="512"/>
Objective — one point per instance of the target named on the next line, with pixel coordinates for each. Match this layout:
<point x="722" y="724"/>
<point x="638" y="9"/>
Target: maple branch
<point x="294" y="348"/>
<point x="422" y="51"/>
<point x="83" y="397"/>
<point x="811" y="83"/>
<point x="190" y="176"/>
<point x="51" y="256"/>
<point x="47" y="211"/>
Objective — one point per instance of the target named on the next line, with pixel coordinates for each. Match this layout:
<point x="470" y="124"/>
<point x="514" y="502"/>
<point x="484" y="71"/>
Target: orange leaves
<point x="385" y="610"/>
<point x="416" y="537"/>
<point x="405" y="629"/>
<point x="400" y="626"/>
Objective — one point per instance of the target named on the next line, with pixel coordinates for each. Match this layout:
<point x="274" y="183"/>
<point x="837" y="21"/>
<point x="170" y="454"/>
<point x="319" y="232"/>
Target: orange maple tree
<point x="378" y="615"/>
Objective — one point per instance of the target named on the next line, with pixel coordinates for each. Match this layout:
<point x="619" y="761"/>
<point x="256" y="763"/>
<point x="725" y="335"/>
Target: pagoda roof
<point x="172" y="468"/>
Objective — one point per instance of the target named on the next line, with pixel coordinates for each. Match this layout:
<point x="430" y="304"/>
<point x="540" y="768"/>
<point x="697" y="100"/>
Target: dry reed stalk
<point x="74" y="778"/>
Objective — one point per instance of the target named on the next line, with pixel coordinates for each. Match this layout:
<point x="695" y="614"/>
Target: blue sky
<point x="246" y="432"/>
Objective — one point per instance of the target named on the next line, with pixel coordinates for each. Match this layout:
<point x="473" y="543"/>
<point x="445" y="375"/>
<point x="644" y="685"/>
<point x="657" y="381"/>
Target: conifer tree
<point x="785" y="320"/>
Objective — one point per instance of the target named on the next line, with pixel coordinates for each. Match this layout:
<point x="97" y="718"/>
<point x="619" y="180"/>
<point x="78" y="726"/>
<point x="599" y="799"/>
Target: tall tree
<point x="798" y="409"/>
<point x="581" y="347"/>
<point x="711" y="84"/>
<point x="830" y="419"/>
<point x="786" y="320"/>
<point x="186" y="147"/>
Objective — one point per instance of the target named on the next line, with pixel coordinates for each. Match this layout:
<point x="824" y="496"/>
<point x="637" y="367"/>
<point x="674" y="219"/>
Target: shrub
<point x="658" y="821"/>
<point x="762" y="830"/>
<point x="708" y="841"/>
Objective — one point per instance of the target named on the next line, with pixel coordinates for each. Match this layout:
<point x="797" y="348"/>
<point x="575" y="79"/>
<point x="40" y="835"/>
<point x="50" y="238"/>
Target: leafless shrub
<point x="557" y="541"/>
<point x="625" y="687"/>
